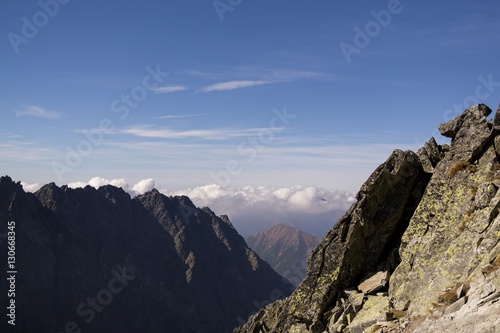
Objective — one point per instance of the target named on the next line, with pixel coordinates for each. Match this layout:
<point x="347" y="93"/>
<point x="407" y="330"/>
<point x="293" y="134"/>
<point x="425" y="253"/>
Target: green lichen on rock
<point x="362" y="241"/>
<point x="431" y="220"/>
<point x="436" y="249"/>
<point x="374" y="310"/>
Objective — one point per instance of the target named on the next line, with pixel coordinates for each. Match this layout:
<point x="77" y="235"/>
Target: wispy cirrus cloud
<point x="290" y="75"/>
<point x="179" y="116"/>
<point x="26" y="151"/>
<point x="231" y="85"/>
<point x="36" y="111"/>
<point x="238" y="77"/>
<point x="256" y="73"/>
<point x="148" y="131"/>
<point x="7" y="135"/>
<point x="165" y="133"/>
<point x="168" y="89"/>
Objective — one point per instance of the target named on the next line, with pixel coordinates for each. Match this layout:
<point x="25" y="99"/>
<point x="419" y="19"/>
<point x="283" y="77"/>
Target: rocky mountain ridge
<point x="418" y="252"/>
<point x="96" y="260"/>
<point x="286" y="249"/>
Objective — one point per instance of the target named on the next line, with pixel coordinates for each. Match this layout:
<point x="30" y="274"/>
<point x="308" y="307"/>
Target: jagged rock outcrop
<point x="430" y="221"/>
<point x="97" y="260"/>
<point x="286" y="249"/>
<point x="365" y="240"/>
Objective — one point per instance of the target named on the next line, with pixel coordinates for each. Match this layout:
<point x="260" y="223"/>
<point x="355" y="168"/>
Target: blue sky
<point x="273" y="93"/>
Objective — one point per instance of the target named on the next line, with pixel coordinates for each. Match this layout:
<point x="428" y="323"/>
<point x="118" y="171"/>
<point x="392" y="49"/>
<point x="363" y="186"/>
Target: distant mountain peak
<point x="285" y="248"/>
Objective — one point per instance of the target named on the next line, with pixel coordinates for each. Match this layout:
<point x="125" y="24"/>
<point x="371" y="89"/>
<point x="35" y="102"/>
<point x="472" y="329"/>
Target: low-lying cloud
<point x="251" y="208"/>
<point x="141" y="187"/>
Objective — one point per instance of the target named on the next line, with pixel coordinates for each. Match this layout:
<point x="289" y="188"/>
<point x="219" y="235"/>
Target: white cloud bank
<point x="141" y="187"/>
<point x="31" y="187"/>
<point x="252" y="209"/>
<point x="144" y="186"/>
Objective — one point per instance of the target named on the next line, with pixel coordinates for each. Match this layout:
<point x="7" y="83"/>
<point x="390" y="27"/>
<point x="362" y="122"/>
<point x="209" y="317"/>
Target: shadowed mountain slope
<point x="100" y="261"/>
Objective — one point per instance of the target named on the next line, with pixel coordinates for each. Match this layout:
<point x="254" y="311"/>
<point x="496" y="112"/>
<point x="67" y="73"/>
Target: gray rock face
<point x="469" y="132"/>
<point x="99" y="261"/>
<point x="432" y="222"/>
<point x="430" y="155"/>
<point x="365" y="239"/>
